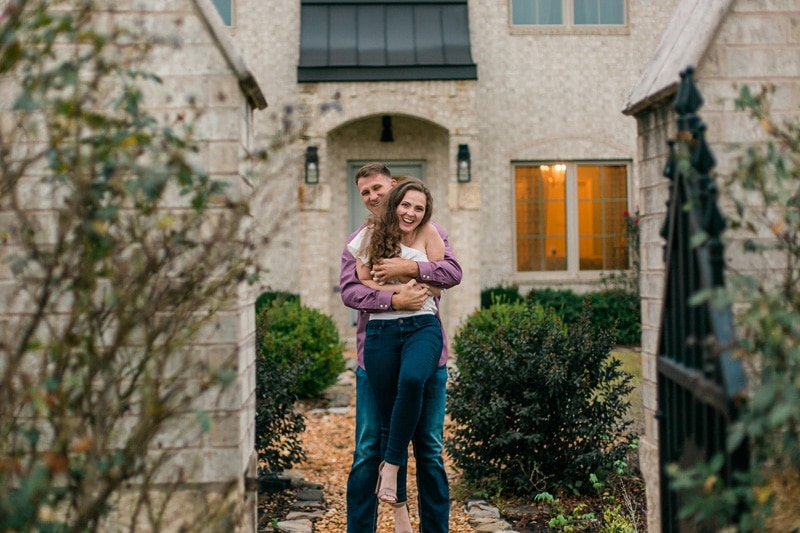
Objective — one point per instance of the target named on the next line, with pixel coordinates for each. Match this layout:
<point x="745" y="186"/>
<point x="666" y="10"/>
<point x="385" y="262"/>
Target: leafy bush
<point x="499" y="294"/>
<point x="278" y="425"/>
<point x="535" y="405"/>
<point x="267" y="297"/>
<point x="615" y="309"/>
<point x="618" y="310"/>
<point x="290" y="334"/>
<point x="567" y="304"/>
<point x="299" y="355"/>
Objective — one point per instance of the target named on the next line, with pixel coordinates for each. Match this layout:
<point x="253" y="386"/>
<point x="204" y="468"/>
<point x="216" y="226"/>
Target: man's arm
<point x="358" y="296"/>
<point x="443" y="274"/>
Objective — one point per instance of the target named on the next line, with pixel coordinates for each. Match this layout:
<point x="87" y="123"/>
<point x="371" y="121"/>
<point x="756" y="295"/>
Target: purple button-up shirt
<point x="445" y="274"/>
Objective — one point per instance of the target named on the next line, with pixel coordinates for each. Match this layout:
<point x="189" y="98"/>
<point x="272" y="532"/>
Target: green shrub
<point x="289" y="333"/>
<point x="618" y="310"/>
<point x="298" y="355"/>
<point x="535" y="405"/>
<point x="499" y="294"/>
<point x="565" y="303"/>
<point x="278" y="425"/>
<point x="615" y="309"/>
<point x="267" y="297"/>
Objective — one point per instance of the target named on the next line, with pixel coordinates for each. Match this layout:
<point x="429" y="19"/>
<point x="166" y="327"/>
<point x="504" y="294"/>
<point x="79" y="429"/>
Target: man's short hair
<point x="371" y="169"/>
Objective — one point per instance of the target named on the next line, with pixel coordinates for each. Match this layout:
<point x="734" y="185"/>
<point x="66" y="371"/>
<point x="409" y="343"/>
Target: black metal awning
<point x="385" y="40"/>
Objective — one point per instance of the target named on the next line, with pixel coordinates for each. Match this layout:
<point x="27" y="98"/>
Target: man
<point x="374" y="180"/>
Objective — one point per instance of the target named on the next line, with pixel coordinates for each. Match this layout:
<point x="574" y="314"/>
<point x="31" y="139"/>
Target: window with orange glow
<point x="541" y="218"/>
<point x="602" y="202"/>
<point x="571" y="208"/>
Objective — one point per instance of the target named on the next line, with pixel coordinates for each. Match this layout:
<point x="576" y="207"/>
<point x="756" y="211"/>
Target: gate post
<point x="700" y="383"/>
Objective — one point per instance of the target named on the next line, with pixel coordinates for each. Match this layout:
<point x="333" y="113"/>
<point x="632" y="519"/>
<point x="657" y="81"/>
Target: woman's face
<point x="411" y="210"/>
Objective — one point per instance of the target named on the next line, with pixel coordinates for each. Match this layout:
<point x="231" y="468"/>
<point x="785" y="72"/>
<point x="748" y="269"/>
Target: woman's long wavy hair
<point x="385" y="240"/>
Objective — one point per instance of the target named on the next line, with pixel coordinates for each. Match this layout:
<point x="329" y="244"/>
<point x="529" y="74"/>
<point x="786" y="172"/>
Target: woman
<point x="402" y="348"/>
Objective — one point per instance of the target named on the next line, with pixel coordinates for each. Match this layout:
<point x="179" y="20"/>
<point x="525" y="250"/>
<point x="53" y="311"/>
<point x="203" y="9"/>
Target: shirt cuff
<point x="425" y="271"/>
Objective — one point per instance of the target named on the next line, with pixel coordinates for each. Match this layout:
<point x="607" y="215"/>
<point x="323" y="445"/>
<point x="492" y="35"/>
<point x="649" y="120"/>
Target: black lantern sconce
<point x="464" y="164"/>
<point x="312" y="165"/>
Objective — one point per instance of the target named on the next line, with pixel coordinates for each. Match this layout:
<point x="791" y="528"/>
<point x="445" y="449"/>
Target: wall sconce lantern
<point x="463" y="163"/>
<point x="312" y="165"/>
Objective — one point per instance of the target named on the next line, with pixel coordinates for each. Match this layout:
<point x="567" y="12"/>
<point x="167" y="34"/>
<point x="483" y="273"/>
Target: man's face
<point x="372" y="189"/>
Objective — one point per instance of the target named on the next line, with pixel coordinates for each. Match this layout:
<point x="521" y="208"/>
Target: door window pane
<point x="225" y="11"/>
<point x="602" y="202"/>
<point x="536" y="12"/>
<point x="599" y="11"/>
<point x="541" y="211"/>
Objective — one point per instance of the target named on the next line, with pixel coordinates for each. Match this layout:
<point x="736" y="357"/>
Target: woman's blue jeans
<point x="400" y="355"/>
<point x="432" y="485"/>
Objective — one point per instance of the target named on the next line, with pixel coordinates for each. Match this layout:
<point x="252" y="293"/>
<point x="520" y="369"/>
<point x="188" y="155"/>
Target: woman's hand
<point x="432" y="291"/>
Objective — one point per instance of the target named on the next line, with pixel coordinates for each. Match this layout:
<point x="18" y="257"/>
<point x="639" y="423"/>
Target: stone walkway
<point x="310" y="504"/>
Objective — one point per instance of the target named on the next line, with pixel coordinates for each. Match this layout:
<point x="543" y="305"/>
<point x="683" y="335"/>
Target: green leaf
<point x="204" y="419"/>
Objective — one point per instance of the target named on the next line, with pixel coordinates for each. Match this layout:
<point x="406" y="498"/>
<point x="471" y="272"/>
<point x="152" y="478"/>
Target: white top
<point x="357" y="247"/>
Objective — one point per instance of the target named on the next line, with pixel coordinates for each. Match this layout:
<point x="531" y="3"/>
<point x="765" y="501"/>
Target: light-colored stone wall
<point x="196" y="74"/>
<point x="198" y="70"/>
<point x="757" y="43"/>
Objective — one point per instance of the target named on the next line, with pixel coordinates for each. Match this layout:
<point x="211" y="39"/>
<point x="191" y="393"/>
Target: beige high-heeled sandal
<point x="385" y="495"/>
<point x="399" y="505"/>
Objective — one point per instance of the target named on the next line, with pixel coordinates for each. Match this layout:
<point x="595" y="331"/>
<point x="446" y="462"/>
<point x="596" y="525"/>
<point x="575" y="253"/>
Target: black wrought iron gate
<point x="699" y="382"/>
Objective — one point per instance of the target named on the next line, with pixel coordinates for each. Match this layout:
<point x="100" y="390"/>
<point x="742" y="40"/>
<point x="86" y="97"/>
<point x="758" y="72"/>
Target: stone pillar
<point x="654" y="127"/>
<point x="464" y="232"/>
<point x="315" y="235"/>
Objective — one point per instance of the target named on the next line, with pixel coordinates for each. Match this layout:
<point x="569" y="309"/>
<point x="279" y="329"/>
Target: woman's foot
<point x="402" y="520"/>
<point x="387" y="483"/>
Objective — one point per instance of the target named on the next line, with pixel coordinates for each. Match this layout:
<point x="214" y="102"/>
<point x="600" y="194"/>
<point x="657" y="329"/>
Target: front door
<point x="358" y="213"/>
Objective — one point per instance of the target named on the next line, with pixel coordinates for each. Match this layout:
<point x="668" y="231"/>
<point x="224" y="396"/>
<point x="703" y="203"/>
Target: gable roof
<point x="210" y="17"/>
<point x="684" y="42"/>
<point x="384" y="40"/>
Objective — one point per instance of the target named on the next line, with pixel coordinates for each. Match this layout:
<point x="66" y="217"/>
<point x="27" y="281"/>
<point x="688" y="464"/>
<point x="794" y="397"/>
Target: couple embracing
<point x="393" y="270"/>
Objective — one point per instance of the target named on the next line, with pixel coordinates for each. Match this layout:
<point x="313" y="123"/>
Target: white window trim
<point x="568" y="27"/>
<point x="573" y="272"/>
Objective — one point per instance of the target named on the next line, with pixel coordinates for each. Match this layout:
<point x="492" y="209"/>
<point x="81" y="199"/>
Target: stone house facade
<point x="730" y="43"/>
<point x="540" y="118"/>
<point x="202" y="69"/>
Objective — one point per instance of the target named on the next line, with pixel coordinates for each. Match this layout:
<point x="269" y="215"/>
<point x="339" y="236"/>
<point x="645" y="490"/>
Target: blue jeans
<point x="399" y="356"/>
<point x="434" y="495"/>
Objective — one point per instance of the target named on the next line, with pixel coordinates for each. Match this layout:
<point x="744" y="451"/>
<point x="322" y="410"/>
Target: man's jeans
<point x="434" y="493"/>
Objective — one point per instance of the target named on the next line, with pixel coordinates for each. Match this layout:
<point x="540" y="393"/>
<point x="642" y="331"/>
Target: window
<point x="571" y="217"/>
<point x="575" y="12"/>
<point x="225" y="10"/>
<point x="536" y="11"/>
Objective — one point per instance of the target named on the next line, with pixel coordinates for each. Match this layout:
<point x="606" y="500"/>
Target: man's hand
<point x="410" y="297"/>
<point x="394" y="269"/>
